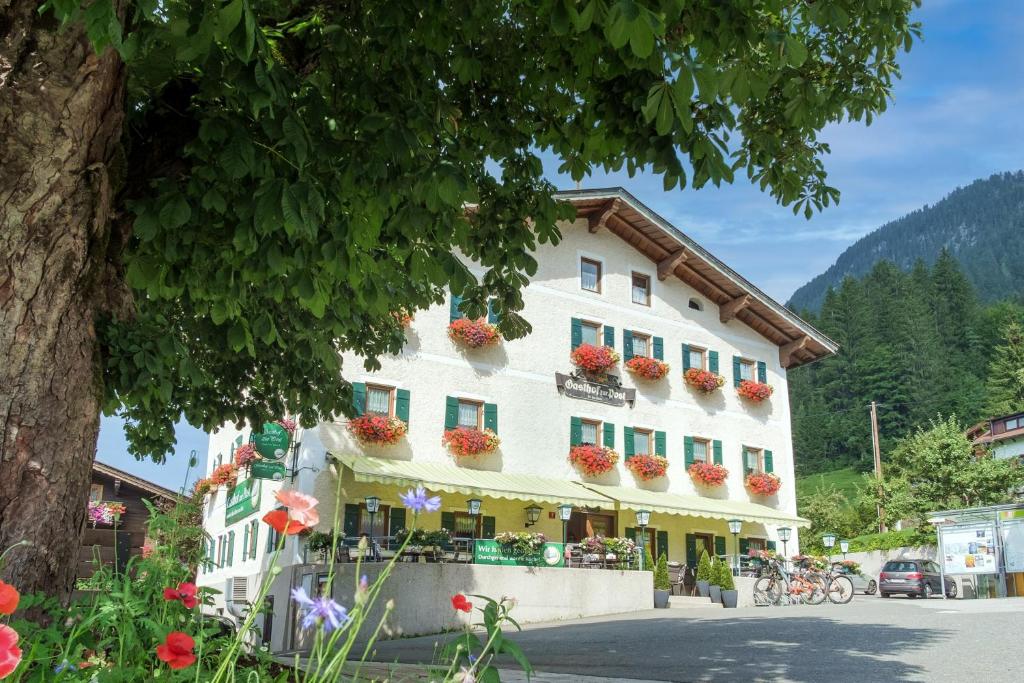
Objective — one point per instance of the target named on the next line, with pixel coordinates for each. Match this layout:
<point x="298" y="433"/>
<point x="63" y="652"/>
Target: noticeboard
<point x="489" y="551"/>
<point x="969" y="550"/>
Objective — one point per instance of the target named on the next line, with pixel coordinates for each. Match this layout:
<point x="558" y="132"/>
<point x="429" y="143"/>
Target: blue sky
<point x="957" y="115"/>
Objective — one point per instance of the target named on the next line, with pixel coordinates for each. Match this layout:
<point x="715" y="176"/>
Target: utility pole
<point x="878" y="461"/>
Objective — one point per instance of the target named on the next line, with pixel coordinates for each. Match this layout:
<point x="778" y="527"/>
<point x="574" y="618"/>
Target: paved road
<point x="868" y="641"/>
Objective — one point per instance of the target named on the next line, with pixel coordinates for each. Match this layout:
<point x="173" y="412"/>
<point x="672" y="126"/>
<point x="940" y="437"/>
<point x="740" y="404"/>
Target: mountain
<point x="982" y="225"/>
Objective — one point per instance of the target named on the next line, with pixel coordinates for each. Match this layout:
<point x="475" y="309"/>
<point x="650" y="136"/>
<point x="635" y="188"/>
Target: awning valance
<point x="452" y="479"/>
<point x="696" y="506"/>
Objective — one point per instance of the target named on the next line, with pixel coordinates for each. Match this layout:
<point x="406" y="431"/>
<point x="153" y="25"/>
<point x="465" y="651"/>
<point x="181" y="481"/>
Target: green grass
<point x="845" y="481"/>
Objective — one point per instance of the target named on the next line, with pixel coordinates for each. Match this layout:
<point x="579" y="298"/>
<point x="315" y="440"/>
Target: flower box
<point x="593" y="460"/>
<point x="596" y="360"/>
<point x="647" y="368"/>
<point x="104" y="512"/>
<point x="377" y="429"/>
<point x="647" y="467"/>
<point x="763" y="484"/>
<point x="621" y="548"/>
<point x="468" y="442"/>
<point x="246" y="455"/>
<point x="703" y="380"/>
<point x="708" y="474"/>
<point x="754" y="391"/>
<point x="226" y="474"/>
<point x="473" y="334"/>
<point x="520" y="543"/>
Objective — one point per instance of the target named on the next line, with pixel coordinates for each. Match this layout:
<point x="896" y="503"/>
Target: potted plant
<point x="647" y="368"/>
<point x="704" y="575"/>
<point x="647" y="467"/>
<point x="730" y="596"/>
<point x="593" y="460"/>
<point x="463" y="442"/>
<point x="754" y="391"/>
<point x="320" y="542"/>
<point x="703" y="380"/>
<point x="715" y="587"/>
<point x="473" y="334"/>
<point x="662" y="586"/>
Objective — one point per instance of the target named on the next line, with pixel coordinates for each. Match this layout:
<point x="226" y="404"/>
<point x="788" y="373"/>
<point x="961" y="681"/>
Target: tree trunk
<point x="61" y="108"/>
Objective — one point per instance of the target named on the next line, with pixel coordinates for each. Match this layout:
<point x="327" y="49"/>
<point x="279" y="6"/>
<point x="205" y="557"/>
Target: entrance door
<point x="705" y="542"/>
<point x="584" y="524"/>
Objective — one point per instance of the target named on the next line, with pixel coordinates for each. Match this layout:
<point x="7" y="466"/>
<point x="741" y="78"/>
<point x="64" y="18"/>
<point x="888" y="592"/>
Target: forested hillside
<point x="918" y="342"/>
<point x="982" y="225"/>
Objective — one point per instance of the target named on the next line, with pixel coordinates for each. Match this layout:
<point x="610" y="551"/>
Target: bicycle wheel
<point x="840" y="590"/>
<point x="768" y="589"/>
<point x="816" y="594"/>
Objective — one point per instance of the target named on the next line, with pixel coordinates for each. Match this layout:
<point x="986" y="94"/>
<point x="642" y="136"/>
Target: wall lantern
<point x="532" y="515"/>
<point x="473" y="506"/>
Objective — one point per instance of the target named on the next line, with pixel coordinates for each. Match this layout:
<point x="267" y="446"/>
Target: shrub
<point x="724" y="578"/>
<point x="661" y="581"/>
<point x="647" y="368"/>
<point x="704" y="567"/>
<point x="647" y="467"/>
<point x="593" y="460"/>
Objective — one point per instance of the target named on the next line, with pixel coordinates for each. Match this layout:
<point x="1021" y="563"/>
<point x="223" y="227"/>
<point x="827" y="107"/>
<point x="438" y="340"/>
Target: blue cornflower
<point x="64" y="666"/>
<point x="322" y="610"/>
<point x="417" y="500"/>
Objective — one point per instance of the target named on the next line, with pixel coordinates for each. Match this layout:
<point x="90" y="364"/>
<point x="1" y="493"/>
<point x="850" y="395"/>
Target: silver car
<point x="862" y="583"/>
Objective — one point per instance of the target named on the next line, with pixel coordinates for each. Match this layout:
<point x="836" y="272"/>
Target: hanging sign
<point x="243" y="500"/>
<point x="610" y="392"/>
<point x="272" y="442"/>
<point x="266" y="469"/>
<point x="489" y="551"/>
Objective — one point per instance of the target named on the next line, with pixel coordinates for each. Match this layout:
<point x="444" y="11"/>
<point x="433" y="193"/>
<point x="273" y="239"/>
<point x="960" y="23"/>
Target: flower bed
<point x="708" y="474"/>
<point x="473" y="334"/>
<point x="103" y="512"/>
<point x="647" y="467"/>
<point x="522" y="543"/>
<point x="754" y="391"/>
<point x="594" y="359"/>
<point x="593" y="460"/>
<point x="377" y="429"/>
<point x="468" y="442"/>
<point x="763" y="484"/>
<point x="647" y="368"/>
<point x="246" y="455"/>
<point x="703" y="380"/>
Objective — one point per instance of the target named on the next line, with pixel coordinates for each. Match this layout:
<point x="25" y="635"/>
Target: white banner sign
<point x="969" y="551"/>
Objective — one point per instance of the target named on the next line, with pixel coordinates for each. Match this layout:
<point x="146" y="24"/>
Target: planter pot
<point x="660" y="599"/>
<point x="703" y="589"/>
<point x="729" y="598"/>
<point x="716" y="594"/>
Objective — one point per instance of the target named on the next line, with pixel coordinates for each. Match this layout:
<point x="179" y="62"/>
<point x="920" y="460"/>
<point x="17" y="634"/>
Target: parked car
<point x="914" y="578"/>
<point x="862" y="583"/>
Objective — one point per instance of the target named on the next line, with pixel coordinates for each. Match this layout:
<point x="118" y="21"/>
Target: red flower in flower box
<point x="246" y="455"/>
<point x="593" y="460"/>
<point x="763" y="483"/>
<point x="377" y="429"/>
<point x="754" y="391"/>
<point x="224" y="474"/>
<point x="647" y="467"/>
<point x="703" y="380"/>
<point x="473" y="333"/>
<point x="469" y="442"/>
<point x="708" y="474"/>
<point x="594" y="359"/>
<point x="647" y="368"/>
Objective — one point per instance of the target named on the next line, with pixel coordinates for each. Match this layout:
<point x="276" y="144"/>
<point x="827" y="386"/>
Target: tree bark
<point x="61" y="108"/>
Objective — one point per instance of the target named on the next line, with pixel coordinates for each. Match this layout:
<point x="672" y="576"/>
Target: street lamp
<point x="829" y="540"/>
<point x="784" y="532"/>
<point x="564" y="514"/>
<point x="844" y="547"/>
<point x="734" y="528"/>
<point x="372" y="505"/>
<point x="642" y="518"/>
<point x="532" y="515"/>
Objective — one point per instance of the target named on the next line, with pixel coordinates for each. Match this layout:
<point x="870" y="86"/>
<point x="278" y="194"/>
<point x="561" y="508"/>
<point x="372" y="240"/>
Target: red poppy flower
<point x="186" y="592"/>
<point x="177" y="650"/>
<point x="278" y="520"/>
<point x="9" y="598"/>
<point x="10" y="653"/>
<point x="460" y="603"/>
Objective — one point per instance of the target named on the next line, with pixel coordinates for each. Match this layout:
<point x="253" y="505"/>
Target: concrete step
<point x="691" y="602"/>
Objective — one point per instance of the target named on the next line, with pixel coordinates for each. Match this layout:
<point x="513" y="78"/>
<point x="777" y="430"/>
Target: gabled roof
<point x="677" y="255"/>
<point x="137" y="482"/>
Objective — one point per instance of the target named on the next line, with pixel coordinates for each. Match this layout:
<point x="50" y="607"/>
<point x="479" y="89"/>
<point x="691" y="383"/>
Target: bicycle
<point x="838" y="587"/>
<point x="778" y="583"/>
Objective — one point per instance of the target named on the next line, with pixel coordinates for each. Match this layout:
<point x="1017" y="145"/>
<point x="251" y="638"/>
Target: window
<point x="590" y="275"/>
<point x="641" y="345"/>
<point x="380" y="521"/>
<point x="591" y="333"/>
<point x="641" y="289"/>
<point x="696" y="305"/>
<point x="466" y="525"/>
<point x="1014" y="423"/>
<point x="756" y="544"/>
<point x="95" y="493"/>
<point x="469" y="414"/>
<point x="695" y="357"/>
<point x="379" y="400"/>
<point x="590" y="431"/>
<point x="700" y="450"/>
<point x="748" y="370"/>
<point x="642" y="442"/>
<point x="752" y="460"/>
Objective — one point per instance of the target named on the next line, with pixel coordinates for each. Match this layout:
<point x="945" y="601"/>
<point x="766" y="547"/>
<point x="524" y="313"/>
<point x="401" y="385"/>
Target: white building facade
<point x="621" y="276"/>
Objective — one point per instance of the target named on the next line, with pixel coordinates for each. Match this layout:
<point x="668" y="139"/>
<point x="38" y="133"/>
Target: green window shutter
<point x="659" y="444"/>
<point x="687" y="451"/>
<point x="575" y="431"/>
<point x="492" y="316"/>
<point x="358" y="397"/>
<point x="231" y="547"/>
<point x="448" y="521"/>
<point x="659" y="348"/>
<point x="663" y="544"/>
<point x="716" y="449"/>
<point x="451" y="412"/>
<point x="686" y="357"/>
<point x="351" y="522"/>
<point x="402" y="405"/>
<point x="453" y="311"/>
<point x="245" y="542"/>
<point x="577" y="332"/>
<point x="630" y="533"/>
<point x="397" y="521"/>
<point x="487" y="527"/>
<point x="254" y="540"/>
<point x="770" y="545"/>
<point x="691" y="551"/>
<point x="491" y="417"/>
<point x="609" y="435"/>
<point x="744" y="546"/>
<point x="719" y="545"/>
<point x="609" y="336"/>
<point x="762" y="372"/>
<point x="736" y="371"/>
<point x="713" y="361"/>
<point x="769" y="462"/>
<point x="627" y="344"/>
<point x="627" y="442"/>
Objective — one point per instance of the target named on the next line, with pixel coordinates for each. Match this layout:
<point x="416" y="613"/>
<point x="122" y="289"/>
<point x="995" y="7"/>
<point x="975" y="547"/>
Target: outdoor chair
<point x="688" y="582"/>
<point x="675" y="576"/>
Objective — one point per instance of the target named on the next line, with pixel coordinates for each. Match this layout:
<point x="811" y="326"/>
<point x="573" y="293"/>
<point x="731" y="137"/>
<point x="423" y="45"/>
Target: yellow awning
<point x="452" y="479"/>
<point x="695" y="506"/>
